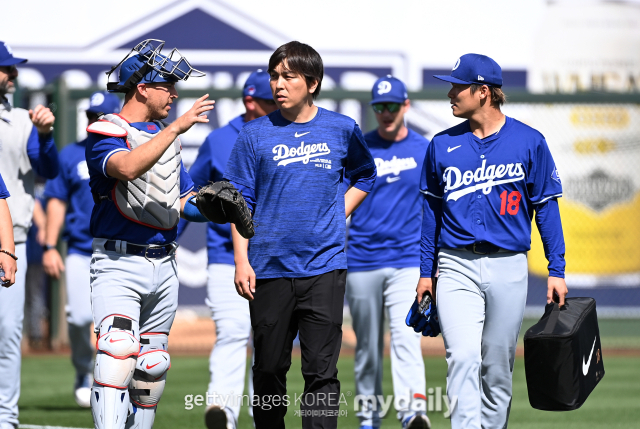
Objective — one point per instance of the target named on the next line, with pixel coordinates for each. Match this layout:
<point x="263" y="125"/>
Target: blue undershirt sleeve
<point x="43" y="154"/>
<point x="191" y="212"/>
<point x="550" y="227"/>
<point x="431" y="224"/>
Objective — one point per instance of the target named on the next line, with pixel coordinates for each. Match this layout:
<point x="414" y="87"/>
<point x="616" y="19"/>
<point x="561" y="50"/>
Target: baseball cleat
<point x="215" y="417"/>
<point x="417" y="421"/>
<point x="82" y="390"/>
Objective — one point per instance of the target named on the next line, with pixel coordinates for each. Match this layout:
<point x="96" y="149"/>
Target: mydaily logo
<point x="303" y="153"/>
<point x="470" y="180"/>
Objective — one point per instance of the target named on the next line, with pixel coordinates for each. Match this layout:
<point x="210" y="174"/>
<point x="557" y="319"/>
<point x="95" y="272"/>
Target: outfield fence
<point x="594" y="138"/>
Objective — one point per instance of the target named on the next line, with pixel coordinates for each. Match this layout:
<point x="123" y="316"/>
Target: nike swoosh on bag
<point x="303" y="134"/>
<point x="451" y="149"/>
<point x="585" y="365"/>
<point x="149" y="367"/>
<point x="111" y="340"/>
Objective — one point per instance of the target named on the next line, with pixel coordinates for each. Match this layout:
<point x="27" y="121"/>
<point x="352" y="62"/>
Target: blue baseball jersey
<point x="72" y="186"/>
<point x="4" y="193"/>
<point x="385" y="230"/>
<point x="488" y="188"/>
<point x="209" y="166"/>
<point x="106" y="220"/>
<point x="296" y="171"/>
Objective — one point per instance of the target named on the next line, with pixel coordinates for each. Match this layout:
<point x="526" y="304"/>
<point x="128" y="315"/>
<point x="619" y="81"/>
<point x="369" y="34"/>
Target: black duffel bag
<point x="563" y="356"/>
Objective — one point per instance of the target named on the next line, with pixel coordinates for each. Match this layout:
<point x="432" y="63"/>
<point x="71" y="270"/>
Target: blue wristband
<point x="191" y="212"/>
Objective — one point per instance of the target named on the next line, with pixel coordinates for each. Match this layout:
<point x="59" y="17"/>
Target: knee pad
<point x="117" y="351"/>
<point x="109" y="406"/>
<point x="150" y="373"/>
<point x="140" y="417"/>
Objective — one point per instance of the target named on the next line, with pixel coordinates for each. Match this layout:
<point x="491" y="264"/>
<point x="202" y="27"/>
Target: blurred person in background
<point x="7" y="247"/>
<point x="229" y="311"/>
<point x="36" y="309"/>
<point x="384" y="261"/>
<point x="69" y="202"/>
<point x="27" y="148"/>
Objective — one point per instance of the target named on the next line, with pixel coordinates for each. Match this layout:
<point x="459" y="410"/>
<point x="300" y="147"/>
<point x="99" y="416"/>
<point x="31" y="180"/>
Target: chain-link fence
<point x="595" y="141"/>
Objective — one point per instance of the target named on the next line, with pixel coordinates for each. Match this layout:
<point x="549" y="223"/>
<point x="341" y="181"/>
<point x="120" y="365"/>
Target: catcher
<point x="140" y="189"/>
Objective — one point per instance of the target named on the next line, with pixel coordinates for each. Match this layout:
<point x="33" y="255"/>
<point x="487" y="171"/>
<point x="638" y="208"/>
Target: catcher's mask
<point x="145" y="64"/>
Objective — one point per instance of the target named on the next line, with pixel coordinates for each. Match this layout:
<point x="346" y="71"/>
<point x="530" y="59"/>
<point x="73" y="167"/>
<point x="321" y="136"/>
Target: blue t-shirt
<point x="296" y="172"/>
<point x="489" y="187"/>
<point x="385" y="230"/>
<point x="209" y="166"/>
<point x="72" y="186"/>
<point x="4" y="193"/>
<point x="106" y="220"/>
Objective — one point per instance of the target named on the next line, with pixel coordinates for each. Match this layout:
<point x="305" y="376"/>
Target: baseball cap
<point x="388" y="89"/>
<point x="103" y="102"/>
<point x="7" y="58"/>
<point x="257" y="85"/>
<point x="474" y="68"/>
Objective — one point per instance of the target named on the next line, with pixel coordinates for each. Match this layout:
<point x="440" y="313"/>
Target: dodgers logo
<point x="384" y="87"/>
<point x="456" y="65"/>
<point x="97" y="99"/>
<point x="303" y="153"/>
<point x="555" y="175"/>
<point x="395" y="165"/>
<point x="8" y="49"/>
<point x="470" y="179"/>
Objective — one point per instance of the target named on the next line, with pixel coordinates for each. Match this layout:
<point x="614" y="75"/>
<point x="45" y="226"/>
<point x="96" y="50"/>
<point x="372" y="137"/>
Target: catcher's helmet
<point x="145" y="64"/>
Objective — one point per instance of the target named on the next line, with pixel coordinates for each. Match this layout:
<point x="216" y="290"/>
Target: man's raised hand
<point x="194" y="115"/>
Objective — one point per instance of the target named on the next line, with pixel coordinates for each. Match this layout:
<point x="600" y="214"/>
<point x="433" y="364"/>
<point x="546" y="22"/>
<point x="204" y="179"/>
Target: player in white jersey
<point x="27" y="145"/>
<point x="140" y="189"/>
<point x="384" y="257"/>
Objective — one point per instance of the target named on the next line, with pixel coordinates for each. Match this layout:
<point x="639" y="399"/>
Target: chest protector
<point x="152" y="199"/>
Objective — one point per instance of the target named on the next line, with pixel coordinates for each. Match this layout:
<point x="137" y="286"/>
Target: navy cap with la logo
<point x="474" y="68"/>
<point x="388" y="89"/>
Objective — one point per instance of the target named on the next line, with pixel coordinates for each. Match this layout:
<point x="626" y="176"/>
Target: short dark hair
<point x="302" y="59"/>
<point x="498" y="98"/>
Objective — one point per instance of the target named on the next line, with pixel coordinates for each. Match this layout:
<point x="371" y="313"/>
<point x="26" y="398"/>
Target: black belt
<point x="482" y="248"/>
<point x="154" y="252"/>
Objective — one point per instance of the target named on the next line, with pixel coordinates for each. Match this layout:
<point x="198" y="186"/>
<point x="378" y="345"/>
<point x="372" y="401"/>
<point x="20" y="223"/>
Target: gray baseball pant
<point x="78" y="310"/>
<point x="228" y="359"/>
<point x="369" y="294"/>
<point x="11" y="316"/>
<point x="480" y="301"/>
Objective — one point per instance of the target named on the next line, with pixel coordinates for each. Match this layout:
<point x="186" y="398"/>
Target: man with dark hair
<point x="289" y="166"/>
<point x="227" y="363"/>
<point x="483" y="179"/>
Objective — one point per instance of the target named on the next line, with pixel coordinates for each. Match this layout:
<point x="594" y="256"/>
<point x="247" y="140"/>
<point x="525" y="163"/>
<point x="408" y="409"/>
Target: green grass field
<point x="47" y="396"/>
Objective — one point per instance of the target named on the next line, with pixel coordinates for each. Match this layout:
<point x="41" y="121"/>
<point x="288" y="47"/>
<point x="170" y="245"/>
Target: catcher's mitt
<point x="221" y="202"/>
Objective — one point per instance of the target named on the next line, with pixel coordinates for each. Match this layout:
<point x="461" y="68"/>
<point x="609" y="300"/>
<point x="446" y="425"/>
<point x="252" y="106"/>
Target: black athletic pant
<point x="280" y="309"/>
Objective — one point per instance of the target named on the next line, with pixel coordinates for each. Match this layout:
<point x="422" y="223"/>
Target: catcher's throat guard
<point x="145" y="64"/>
